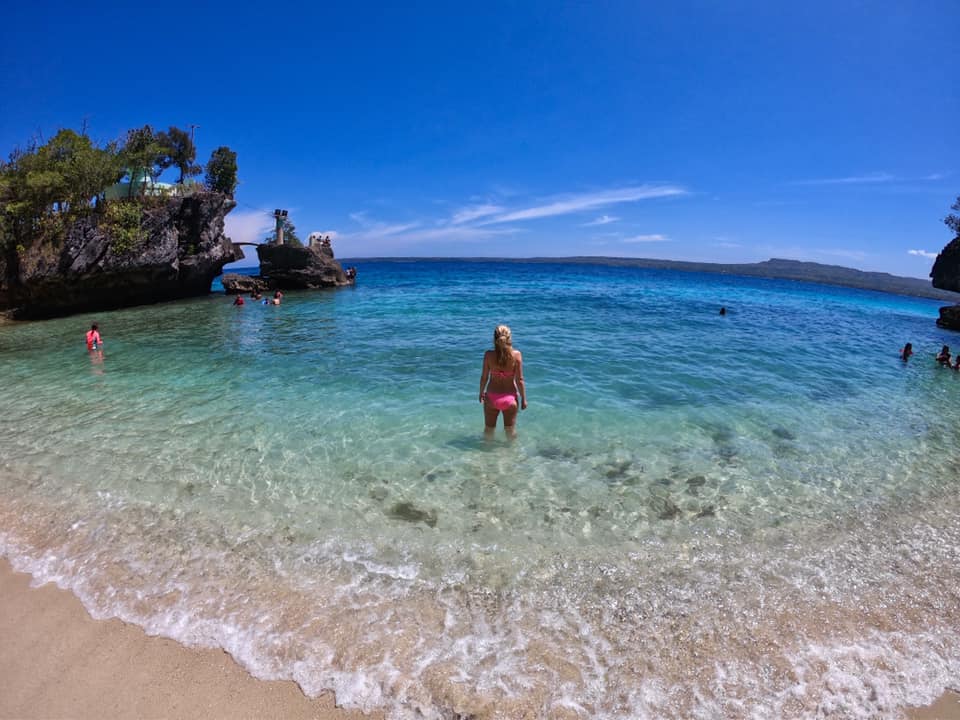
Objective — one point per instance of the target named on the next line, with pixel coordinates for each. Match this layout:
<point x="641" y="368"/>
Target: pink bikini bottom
<point x="502" y="401"/>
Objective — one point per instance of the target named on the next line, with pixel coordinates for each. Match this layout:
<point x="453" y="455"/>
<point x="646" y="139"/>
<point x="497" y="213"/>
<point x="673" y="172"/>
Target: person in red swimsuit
<point x="93" y="338"/>
<point x="502" y="389"/>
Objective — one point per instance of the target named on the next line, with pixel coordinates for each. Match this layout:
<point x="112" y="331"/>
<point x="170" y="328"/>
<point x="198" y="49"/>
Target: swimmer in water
<point x="502" y="389"/>
<point x="944" y="357"/>
<point x="93" y="338"/>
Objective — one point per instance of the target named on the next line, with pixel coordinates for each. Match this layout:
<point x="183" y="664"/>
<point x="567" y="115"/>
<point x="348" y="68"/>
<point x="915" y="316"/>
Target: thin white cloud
<point x="923" y="253"/>
<point x="656" y="237"/>
<point x="587" y="201"/>
<point x="934" y="176"/>
<point x="602" y="220"/>
<point x="375" y="228"/>
<point x="248" y="225"/>
<point x="474" y="212"/>
<point x="415" y="234"/>
<point x="869" y="178"/>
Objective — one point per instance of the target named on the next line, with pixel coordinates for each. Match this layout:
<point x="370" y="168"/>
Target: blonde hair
<point x="503" y="346"/>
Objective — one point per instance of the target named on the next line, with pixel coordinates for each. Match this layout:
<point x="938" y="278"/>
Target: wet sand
<point x="56" y="661"/>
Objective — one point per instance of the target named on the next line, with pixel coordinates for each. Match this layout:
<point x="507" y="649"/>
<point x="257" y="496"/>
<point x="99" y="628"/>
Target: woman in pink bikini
<point x="501" y="382"/>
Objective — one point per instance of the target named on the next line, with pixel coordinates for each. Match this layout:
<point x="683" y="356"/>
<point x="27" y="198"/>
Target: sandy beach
<point x="56" y="662"/>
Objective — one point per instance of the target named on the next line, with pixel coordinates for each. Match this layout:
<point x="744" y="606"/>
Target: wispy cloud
<point x="567" y="204"/>
<point x="656" y="237"/>
<point x="935" y="176"/>
<point x="602" y="220"/>
<point x="383" y="237"/>
<point x="375" y="228"/>
<point x="869" y="178"/>
<point x="923" y="253"/>
<point x="481" y="219"/>
<point x="474" y="212"/>
<point x="248" y="225"/>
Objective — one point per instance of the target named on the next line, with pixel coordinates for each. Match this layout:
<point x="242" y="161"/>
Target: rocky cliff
<point x="946" y="276"/>
<point x="946" y="268"/>
<point x="294" y="268"/>
<point x="162" y="250"/>
<point x="290" y="267"/>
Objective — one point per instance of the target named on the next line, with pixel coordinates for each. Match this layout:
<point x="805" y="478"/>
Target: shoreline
<point x="57" y="661"/>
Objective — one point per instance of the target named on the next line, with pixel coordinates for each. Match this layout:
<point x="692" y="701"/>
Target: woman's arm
<point x="518" y="379"/>
<point x="484" y="375"/>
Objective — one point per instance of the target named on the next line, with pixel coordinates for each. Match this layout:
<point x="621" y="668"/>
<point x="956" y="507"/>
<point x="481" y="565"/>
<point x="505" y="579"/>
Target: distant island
<point x="774" y="269"/>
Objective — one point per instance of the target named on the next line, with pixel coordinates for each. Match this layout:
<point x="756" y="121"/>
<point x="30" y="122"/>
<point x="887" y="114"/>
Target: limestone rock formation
<point x="180" y="248"/>
<point x="946" y="268"/>
<point x="236" y="284"/>
<point x="290" y="267"/>
<point x="946" y="276"/>
<point x="949" y="317"/>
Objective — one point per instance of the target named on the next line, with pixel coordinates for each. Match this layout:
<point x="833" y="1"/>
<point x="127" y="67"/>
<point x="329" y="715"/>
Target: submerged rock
<point x="408" y="512"/>
<point x="234" y="284"/>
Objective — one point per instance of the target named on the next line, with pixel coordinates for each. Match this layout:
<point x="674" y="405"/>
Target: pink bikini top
<point x="505" y="373"/>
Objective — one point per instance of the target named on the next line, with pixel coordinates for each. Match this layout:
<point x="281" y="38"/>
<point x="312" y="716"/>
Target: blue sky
<point x="710" y="131"/>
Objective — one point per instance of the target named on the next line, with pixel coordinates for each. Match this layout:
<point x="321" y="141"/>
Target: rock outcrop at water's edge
<point x="946" y="276"/>
<point x="949" y="317"/>
<point x="180" y="248"/>
<point x="291" y="267"/>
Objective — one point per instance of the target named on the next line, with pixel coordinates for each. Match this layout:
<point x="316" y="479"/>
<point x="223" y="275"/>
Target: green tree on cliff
<point x="178" y="151"/>
<point x="222" y="171"/>
<point x="290" y="236"/>
<point x="141" y="155"/>
<point x="953" y="221"/>
<point x="45" y="186"/>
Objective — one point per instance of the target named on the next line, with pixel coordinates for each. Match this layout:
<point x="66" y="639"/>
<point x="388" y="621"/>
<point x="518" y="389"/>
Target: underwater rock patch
<point x="408" y="512"/>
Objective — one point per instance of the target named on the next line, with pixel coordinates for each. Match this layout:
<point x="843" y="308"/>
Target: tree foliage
<point x="178" y="150"/>
<point x="63" y="177"/>
<point x="222" y="171"/>
<point x="290" y="236"/>
<point x="46" y="186"/>
<point x="142" y="156"/>
<point x="953" y="221"/>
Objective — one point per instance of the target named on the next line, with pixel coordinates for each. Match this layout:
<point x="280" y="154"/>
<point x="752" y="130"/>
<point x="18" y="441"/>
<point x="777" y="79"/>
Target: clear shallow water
<point x="702" y="516"/>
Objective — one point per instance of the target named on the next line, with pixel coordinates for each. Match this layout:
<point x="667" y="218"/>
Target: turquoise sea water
<point x="744" y="516"/>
